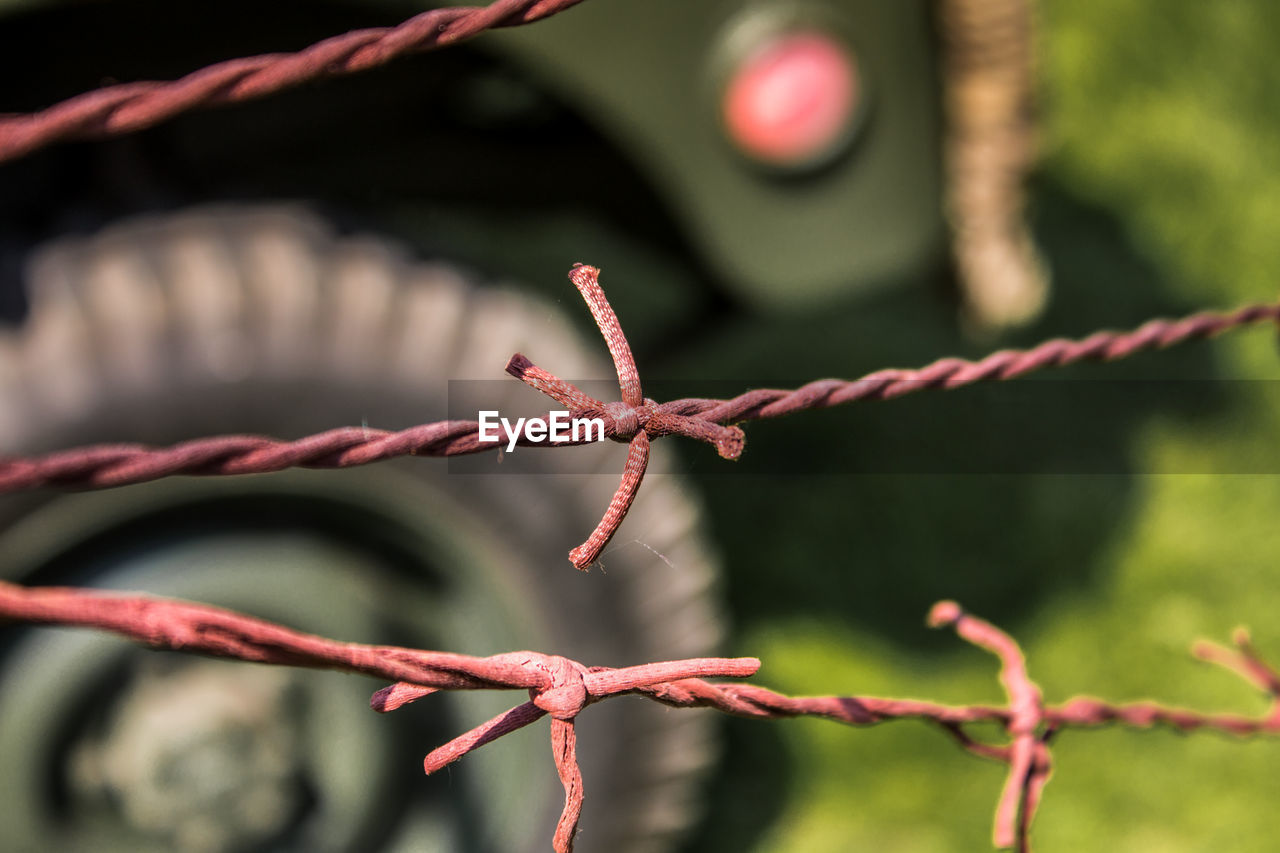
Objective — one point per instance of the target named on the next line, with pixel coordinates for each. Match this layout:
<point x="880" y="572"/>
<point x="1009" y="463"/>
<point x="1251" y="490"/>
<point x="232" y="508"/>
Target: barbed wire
<point x="634" y="419"/>
<point x="559" y="687"/>
<point x="563" y="688"/>
<point x="127" y="107"/>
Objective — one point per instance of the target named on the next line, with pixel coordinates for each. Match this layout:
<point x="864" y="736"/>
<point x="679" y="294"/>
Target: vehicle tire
<point x="263" y="320"/>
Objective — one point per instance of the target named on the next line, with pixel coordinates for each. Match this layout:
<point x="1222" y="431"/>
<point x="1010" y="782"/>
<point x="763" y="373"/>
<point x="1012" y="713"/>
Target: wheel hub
<point x="201" y="756"/>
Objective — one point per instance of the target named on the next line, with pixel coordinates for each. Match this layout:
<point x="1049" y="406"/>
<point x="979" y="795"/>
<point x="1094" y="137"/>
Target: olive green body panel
<point x="647" y="73"/>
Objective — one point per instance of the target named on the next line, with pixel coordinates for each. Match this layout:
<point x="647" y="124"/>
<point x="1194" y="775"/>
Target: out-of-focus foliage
<point x="1169" y="113"/>
<point x="1159" y="193"/>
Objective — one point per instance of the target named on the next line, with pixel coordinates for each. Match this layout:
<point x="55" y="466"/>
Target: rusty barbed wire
<point x="132" y="106"/>
<point x="634" y="419"/>
<point x="988" y="56"/>
<point x="563" y="688"/>
<point x="559" y="687"/>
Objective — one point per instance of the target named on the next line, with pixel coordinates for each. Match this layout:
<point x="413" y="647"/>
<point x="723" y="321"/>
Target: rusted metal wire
<point x="1027" y="756"/>
<point x="563" y="688"/>
<point x="128" y="107"/>
<point x="106" y="465"/>
<point x="988" y="55"/>
<point x="559" y="687"/>
<point x="948" y="373"/>
<point x="634" y="420"/>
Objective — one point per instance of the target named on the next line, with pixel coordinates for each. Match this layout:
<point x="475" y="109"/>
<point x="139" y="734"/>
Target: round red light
<point x="792" y="100"/>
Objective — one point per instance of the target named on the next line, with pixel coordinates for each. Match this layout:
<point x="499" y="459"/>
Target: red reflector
<point x="792" y="100"/>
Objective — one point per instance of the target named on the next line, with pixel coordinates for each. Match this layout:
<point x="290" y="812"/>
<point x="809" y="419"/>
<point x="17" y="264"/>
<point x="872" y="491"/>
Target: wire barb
<point x="563" y="689"/>
<point x="634" y="419"/>
<point x="1027" y="756"/>
<point x="707" y="420"/>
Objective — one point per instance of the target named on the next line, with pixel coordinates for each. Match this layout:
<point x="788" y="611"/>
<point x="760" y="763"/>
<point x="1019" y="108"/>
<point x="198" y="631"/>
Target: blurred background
<point x="776" y="192"/>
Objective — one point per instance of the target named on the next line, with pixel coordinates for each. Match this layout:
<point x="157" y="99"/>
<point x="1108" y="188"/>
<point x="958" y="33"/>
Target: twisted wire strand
<point x="948" y="373"/>
<point x="563" y="688"/>
<point x="102" y="466"/>
<point x="108" y="465"/>
<point x="748" y="700"/>
<point x="201" y="628"/>
<point x="128" y="107"/>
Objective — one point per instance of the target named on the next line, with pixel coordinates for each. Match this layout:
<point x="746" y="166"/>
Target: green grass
<point x="1159" y="193"/>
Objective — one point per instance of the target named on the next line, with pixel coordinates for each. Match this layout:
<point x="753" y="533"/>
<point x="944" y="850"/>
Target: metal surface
<point x="648" y="72"/>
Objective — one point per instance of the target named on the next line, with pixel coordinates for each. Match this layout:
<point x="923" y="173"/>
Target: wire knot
<point x="627" y="419"/>
<point x="634" y="419"/>
<point x="567" y="694"/>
